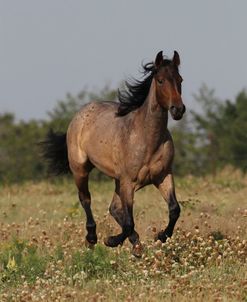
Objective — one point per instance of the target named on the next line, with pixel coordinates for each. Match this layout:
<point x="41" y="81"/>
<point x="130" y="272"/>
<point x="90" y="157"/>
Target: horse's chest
<point x="150" y="171"/>
<point x="157" y="165"/>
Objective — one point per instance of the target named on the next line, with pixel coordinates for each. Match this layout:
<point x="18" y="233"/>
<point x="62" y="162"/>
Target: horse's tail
<point x="55" y="152"/>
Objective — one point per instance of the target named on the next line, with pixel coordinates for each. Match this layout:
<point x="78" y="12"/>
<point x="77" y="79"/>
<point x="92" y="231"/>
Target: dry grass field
<point x="43" y="256"/>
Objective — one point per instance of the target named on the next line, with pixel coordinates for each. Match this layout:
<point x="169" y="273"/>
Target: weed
<point x="21" y="261"/>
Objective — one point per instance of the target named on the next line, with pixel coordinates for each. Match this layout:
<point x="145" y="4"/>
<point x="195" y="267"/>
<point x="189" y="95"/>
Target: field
<point x="43" y="256"/>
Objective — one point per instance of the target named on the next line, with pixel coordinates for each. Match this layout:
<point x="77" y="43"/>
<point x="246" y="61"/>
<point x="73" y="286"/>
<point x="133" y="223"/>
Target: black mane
<point x="136" y="91"/>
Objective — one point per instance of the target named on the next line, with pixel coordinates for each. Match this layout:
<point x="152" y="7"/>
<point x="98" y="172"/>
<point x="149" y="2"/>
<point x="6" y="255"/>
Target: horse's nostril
<point x="184" y="109"/>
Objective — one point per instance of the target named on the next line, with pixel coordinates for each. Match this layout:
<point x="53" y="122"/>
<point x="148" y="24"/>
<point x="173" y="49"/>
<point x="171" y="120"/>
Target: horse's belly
<point x="104" y="164"/>
<point x="102" y="154"/>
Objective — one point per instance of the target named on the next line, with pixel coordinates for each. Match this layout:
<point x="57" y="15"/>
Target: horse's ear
<point x="159" y="59"/>
<point x="176" y="58"/>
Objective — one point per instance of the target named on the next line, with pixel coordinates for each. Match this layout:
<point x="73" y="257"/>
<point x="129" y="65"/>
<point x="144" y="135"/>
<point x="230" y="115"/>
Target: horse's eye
<point x="160" y="81"/>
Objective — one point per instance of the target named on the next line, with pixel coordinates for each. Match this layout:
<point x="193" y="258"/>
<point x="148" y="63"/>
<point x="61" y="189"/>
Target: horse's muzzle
<point x="177" y="112"/>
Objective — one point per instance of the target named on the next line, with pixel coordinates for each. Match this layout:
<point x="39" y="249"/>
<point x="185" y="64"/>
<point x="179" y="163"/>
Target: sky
<point x="49" y="48"/>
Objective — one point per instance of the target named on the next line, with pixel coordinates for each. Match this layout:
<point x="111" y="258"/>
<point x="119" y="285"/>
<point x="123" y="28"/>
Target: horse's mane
<point x="135" y="92"/>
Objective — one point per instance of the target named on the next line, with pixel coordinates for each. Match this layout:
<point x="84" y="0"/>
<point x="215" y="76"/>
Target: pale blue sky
<point x="51" y="47"/>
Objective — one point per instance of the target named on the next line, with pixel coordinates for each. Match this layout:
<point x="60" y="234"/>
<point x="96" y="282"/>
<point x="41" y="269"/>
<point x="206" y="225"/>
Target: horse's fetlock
<point x="91" y="228"/>
<point x="128" y="229"/>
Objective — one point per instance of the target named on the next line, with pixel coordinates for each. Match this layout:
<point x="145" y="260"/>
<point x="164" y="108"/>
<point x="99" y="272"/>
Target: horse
<point x="128" y="141"/>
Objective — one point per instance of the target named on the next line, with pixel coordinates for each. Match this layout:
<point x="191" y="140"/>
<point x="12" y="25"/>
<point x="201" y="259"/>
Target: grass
<point x="43" y="256"/>
<point x="21" y="261"/>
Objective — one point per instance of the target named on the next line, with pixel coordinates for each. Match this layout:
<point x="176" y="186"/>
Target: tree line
<point x="205" y="140"/>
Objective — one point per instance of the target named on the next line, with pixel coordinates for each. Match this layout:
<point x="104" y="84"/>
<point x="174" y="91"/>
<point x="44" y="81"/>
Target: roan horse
<point x="128" y="141"/>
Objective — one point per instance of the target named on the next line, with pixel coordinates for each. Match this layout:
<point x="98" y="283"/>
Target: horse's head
<point x="168" y="85"/>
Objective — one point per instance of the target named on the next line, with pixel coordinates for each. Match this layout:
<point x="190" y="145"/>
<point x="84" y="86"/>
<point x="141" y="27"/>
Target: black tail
<point x="54" y="151"/>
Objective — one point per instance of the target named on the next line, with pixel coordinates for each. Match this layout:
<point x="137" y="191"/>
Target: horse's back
<point x="89" y="116"/>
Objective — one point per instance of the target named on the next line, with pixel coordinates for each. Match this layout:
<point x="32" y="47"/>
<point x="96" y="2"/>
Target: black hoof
<point x="91" y="238"/>
<point x="113" y="241"/>
<point x="162" y="236"/>
<point x="89" y="245"/>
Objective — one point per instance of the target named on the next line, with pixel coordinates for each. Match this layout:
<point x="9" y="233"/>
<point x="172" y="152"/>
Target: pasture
<point x="43" y="256"/>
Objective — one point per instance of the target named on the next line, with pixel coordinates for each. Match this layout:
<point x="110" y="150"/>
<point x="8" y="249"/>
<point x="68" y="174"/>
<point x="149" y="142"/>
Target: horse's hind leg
<point x="117" y="211"/>
<point x="167" y="190"/>
<point x="85" y="199"/>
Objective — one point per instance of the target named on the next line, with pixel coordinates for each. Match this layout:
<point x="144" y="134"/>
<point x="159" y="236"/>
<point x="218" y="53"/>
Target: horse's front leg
<point x="116" y="210"/>
<point x="167" y="190"/>
<point x="122" y="210"/>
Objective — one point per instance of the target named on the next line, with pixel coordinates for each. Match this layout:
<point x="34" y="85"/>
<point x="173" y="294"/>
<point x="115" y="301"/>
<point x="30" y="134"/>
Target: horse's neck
<point x="153" y="118"/>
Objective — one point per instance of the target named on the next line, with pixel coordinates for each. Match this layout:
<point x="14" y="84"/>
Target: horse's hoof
<point x="161" y="236"/>
<point x="90" y="241"/>
<point x="137" y="250"/>
<point x="89" y="245"/>
<point x="111" y="241"/>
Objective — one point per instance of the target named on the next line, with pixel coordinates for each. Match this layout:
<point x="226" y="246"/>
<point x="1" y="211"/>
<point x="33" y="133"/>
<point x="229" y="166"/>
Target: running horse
<point x="128" y="141"/>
